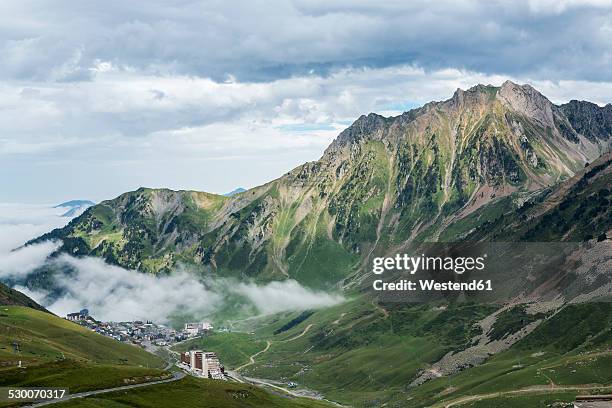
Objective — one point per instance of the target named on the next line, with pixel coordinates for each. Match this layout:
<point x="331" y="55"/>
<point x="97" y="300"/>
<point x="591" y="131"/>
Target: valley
<point x="500" y="168"/>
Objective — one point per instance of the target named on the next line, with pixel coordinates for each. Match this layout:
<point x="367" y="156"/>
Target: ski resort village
<point x="152" y="336"/>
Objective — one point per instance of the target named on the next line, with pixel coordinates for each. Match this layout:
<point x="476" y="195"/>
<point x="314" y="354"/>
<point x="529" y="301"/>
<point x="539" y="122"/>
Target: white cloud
<point x="18" y="224"/>
<point x="114" y="293"/>
<point x="284" y="296"/>
<point x="22" y="222"/>
<point x="19" y="263"/>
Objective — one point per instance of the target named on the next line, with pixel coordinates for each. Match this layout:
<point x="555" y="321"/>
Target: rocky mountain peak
<point x="526" y="100"/>
<point x="477" y="95"/>
<point x="369" y="126"/>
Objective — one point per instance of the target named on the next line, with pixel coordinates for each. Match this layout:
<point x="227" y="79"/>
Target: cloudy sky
<point x="98" y="98"/>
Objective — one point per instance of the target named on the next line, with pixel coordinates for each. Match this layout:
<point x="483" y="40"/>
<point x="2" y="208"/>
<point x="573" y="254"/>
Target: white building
<point x="203" y="363"/>
<point x="193" y="329"/>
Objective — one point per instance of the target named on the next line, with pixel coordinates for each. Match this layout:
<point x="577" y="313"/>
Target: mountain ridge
<point x="381" y="184"/>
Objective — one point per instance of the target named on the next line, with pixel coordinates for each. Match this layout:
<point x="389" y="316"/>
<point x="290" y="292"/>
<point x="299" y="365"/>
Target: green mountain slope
<point x="362" y="354"/>
<point x="366" y="353"/>
<point x="38" y="349"/>
<point x="196" y="393"/>
<point x="13" y="297"/>
<point x="45" y="337"/>
<point x="576" y="210"/>
<point x="383" y="183"/>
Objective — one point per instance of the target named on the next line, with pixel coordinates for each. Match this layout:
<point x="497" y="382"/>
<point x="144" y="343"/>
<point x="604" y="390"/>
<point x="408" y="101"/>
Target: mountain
<point x="75" y="207"/>
<point x="235" y="191"/>
<point x="13" y="297"/>
<point x="75" y="203"/>
<point x="383" y="184"/>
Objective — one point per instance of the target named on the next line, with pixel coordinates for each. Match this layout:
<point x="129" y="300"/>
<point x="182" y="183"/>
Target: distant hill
<point x="13" y="297"/>
<point x="235" y="191"/>
<point x="75" y="207"/>
<point x="75" y="203"/>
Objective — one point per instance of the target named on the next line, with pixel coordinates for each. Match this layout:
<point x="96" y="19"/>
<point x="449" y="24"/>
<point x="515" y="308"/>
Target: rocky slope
<point x="382" y="184"/>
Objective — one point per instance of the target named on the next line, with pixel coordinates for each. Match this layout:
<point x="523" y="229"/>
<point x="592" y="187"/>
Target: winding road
<point x="269" y="343"/>
<point x="298" y="336"/>
<point x="252" y="358"/>
<point x="175" y="377"/>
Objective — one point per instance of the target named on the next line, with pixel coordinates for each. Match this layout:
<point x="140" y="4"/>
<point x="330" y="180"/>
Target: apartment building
<point x="203" y="363"/>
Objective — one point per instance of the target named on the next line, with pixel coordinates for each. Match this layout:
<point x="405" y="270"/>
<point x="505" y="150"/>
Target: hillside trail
<point x="269" y="343"/>
<point x="252" y="358"/>
<point x="538" y="389"/>
<point x="298" y="336"/>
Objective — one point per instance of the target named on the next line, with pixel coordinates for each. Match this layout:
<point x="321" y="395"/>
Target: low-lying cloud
<point x="18" y="224"/>
<point x="284" y="296"/>
<point x="22" y="222"/>
<point x="19" y="263"/>
<point x="113" y="293"/>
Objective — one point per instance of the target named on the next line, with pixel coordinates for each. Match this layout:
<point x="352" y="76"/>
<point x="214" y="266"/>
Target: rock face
<point x="588" y="119"/>
<point x="527" y="101"/>
<point x="383" y="183"/>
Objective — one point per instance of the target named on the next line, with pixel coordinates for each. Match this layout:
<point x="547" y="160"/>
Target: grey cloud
<point x="171" y="94"/>
<point x="263" y="41"/>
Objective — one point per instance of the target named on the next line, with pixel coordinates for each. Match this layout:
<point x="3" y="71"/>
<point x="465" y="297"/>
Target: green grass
<point x="57" y="353"/>
<point x="191" y="392"/>
<point x="233" y="349"/>
<point x="77" y="376"/>
<point x="44" y="337"/>
<point x="12" y="297"/>
<point x="353" y="354"/>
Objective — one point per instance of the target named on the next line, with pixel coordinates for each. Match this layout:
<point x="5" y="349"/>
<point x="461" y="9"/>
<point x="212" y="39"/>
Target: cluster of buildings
<point x="139" y="332"/>
<point x="203" y="363"/>
<point x="197" y="362"/>
<point x="196" y="329"/>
